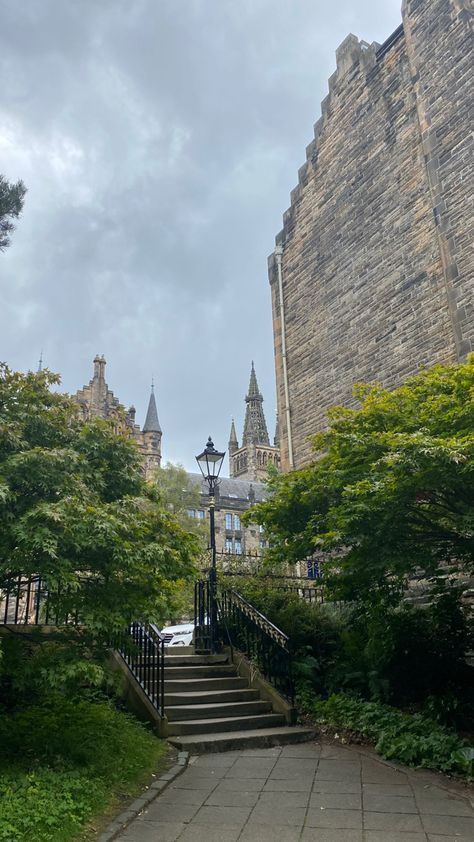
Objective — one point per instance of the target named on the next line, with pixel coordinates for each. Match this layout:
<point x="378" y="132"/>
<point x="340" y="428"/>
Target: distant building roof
<point x="236" y="489"/>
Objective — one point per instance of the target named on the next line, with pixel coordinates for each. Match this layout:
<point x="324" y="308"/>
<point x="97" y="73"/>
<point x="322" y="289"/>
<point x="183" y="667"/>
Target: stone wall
<point x="377" y="263"/>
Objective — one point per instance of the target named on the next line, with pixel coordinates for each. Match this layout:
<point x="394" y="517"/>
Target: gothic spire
<point x="152" y="425"/>
<point x="40" y="363"/>
<point x="255" y="426"/>
<point x="233" y="441"/>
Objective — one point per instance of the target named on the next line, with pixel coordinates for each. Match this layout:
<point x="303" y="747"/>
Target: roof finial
<point x="40" y="363"/>
<point x="152" y="383"/>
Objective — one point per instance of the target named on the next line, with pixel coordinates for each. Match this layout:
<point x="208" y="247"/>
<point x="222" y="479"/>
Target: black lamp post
<point x="210" y="463"/>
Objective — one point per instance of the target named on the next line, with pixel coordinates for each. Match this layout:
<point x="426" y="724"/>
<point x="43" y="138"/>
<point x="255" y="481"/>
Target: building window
<point x="200" y="514"/>
<point x="228" y="521"/>
<point x="237" y="525"/>
<point x="238" y="547"/>
<point x="228" y="545"/>
<point x="190" y="512"/>
<point x="314" y="569"/>
<point x="263" y="543"/>
<point x="260" y="529"/>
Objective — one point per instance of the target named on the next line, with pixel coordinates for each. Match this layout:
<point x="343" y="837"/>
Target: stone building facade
<point x="97" y="400"/>
<point x="372" y="277"/>
<point x="250" y="461"/>
<point x="233" y="498"/>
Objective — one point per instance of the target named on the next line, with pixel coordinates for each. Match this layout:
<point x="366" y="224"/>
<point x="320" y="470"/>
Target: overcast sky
<point x="159" y="141"/>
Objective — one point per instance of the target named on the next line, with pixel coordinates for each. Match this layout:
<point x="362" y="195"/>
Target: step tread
<point x="195" y="660"/>
<point x="231" y="740"/>
<point x="204" y="670"/>
<point x="218" y="709"/>
<point x="223" y="705"/>
<point x="225" y="723"/>
<point x="207" y="682"/>
<point x="196" y="697"/>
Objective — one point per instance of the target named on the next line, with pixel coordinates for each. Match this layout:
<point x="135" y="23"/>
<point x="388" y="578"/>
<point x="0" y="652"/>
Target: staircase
<point x="210" y="708"/>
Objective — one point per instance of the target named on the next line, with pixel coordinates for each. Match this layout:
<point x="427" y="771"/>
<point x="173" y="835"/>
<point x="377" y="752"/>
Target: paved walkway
<point x="304" y="793"/>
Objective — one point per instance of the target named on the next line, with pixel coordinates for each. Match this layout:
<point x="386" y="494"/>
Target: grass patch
<point x="412" y="739"/>
<point x="64" y="764"/>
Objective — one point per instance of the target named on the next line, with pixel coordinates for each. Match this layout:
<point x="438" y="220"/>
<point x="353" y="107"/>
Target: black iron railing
<point x="29" y="601"/>
<point x="144" y="654"/>
<point x="261" y="641"/>
<point x="202" y="614"/>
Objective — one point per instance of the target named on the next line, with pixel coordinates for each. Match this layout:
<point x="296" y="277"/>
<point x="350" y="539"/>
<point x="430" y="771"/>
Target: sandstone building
<point x="372" y="277"/>
<point x="250" y="461"/>
<point x="233" y="497"/>
<point x="97" y="400"/>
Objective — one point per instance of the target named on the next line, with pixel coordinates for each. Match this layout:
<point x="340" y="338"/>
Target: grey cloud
<point x="159" y="140"/>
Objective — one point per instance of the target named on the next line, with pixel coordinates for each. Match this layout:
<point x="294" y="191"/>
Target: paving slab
<point x="142" y="832"/>
<point x="318" y="834"/>
<point x="304" y="793"/>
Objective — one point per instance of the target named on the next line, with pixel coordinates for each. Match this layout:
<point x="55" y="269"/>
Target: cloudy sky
<point x="159" y="141"/>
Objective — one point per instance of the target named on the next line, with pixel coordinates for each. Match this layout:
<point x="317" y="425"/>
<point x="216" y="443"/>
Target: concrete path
<point x="303" y="793"/>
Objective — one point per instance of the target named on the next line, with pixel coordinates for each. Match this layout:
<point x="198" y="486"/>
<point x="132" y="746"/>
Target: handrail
<point x="146" y="660"/>
<point x="260" y="618"/>
<point x="27" y="601"/>
<point x="259" y="640"/>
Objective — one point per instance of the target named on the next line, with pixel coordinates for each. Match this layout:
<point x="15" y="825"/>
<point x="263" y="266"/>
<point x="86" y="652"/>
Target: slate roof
<point x="236" y="489"/>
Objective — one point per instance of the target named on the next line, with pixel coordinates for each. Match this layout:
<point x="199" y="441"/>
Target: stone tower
<point x="252" y="459"/>
<point x="96" y="400"/>
<point x="151" y="435"/>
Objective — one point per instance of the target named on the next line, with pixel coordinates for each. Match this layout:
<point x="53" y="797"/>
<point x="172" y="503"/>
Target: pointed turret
<point x="233" y="441"/>
<point x="152" y="424"/>
<point x="255" y="427"/>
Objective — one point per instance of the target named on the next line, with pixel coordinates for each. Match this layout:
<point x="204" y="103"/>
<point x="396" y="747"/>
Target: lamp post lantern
<point x="210" y="464"/>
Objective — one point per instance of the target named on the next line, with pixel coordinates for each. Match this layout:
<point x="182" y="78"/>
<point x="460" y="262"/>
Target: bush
<point x="314" y="630"/>
<point x="412" y="739"/>
<point x="405" y="656"/>
<point x="410" y="656"/>
<point x="63" y="762"/>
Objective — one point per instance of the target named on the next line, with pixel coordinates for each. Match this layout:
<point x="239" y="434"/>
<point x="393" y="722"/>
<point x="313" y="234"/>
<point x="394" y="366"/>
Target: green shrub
<point x="404" y="656"/>
<point x="410" y="656"/>
<point x="412" y="739"/>
<point x="314" y="630"/>
<point x="63" y="762"/>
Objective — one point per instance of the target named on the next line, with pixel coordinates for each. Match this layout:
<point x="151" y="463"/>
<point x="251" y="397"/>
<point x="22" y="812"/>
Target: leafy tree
<point x="75" y="509"/>
<point x="391" y="490"/>
<point x="11" y="204"/>
<point x="180" y="496"/>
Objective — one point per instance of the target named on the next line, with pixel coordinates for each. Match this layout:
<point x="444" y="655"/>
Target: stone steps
<point x="256" y="738"/>
<point x="204" y="684"/>
<point x="189" y="660"/>
<point x="208" y="671"/>
<point x="210" y="697"/>
<point x="232" y="723"/>
<point x="210" y="708"/>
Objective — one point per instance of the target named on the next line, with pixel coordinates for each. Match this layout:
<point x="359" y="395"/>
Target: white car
<point x="181" y="635"/>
